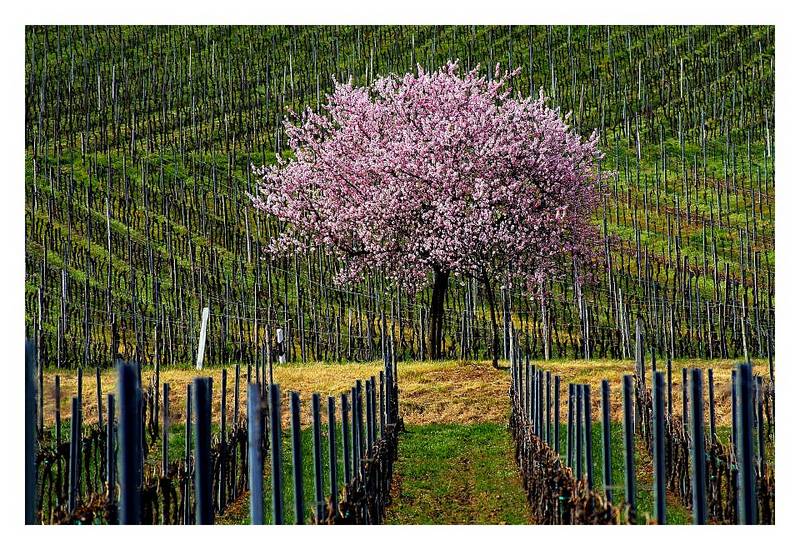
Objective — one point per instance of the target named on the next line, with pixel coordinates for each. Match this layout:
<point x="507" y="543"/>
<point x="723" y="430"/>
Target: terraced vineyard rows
<point x="139" y="143"/>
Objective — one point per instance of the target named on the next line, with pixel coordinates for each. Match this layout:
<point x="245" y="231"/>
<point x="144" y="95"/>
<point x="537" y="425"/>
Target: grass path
<point x="457" y="474"/>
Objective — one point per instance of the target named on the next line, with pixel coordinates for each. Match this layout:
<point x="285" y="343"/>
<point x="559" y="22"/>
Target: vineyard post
<point x="698" y="454"/>
<point x="540" y="405"/>
<point x="605" y="401"/>
<point x="255" y="458"/>
<point x="557" y="416"/>
<point x="685" y="398"/>
<point x="368" y="399"/>
<point x="187" y="455"/>
<point x="165" y="432"/>
<point x="712" y="417"/>
<point x="630" y="474"/>
<point x="762" y="464"/>
<point x="201" y="398"/>
<point x="362" y="451"/>
<point x="223" y="466"/>
<point x="78" y="454"/>
<point x="201" y="346"/>
<point x="297" y="458"/>
<point x="99" y="391"/>
<point x="734" y="413"/>
<point x="281" y="346"/>
<point x="129" y="427"/>
<point x="570" y="427"/>
<point x="578" y="435"/>
<point x="235" y="465"/>
<point x="534" y="387"/>
<point x="111" y="467"/>
<point x="59" y="473"/>
<point x="356" y="429"/>
<point x="528" y="392"/>
<point x="659" y="473"/>
<point x="345" y="439"/>
<point x="319" y="500"/>
<point x="74" y="451"/>
<point x="275" y="453"/>
<point x="382" y="413"/>
<point x="549" y="433"/>
<point x="373" y="408"/>
<point x="639" y="360"/>
<point x="30" y="433"/>
<point x="744" y="446"/>
<point x="587" y="433"/>
<point x="332" y="465"/>
<point x="669" y="386"/>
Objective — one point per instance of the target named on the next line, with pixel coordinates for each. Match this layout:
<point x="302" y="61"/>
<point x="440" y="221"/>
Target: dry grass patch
<point x="451" y="392"/>
<point x="327" y="379"/>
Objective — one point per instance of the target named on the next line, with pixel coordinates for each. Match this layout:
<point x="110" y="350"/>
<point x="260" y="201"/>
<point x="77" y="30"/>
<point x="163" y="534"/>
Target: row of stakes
<point x="370" y="407"/>
<point x="539" y="393"/>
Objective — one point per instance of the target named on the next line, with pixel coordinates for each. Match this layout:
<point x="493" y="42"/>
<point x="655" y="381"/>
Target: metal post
<point x="234" y="464"/>
<point x="165" y="432"/>
<point x="744" y="446"/>
<point x="255" y="458"/>
<point x="355" y="432"/>
<point x="333" y="473"/>
<point x="734" y="412"/>
<point x="712" y="417"/>
<point x="111" y="467"/>
<point x="275" y="453"/>
<point x="605" y="400"/>
<point x="373" y="407"/>
<point x="557" y="417"/>
<point x="382" y="413"/>
<point x="74" y="450"/>
<point x="685" y="397"/>
<point x="540" y="405"/>
<point x="223" y="439"/>
<point x="30" y="433"/>
<point x="548" y="405"/>
<point x="59" y="481"/>
<point x="570" y="427"/>
<point x="587" y="434"/>
<point x="630" y="474"/>
<point x="319" y="499"/>
<point x="129" y="426"/>
<point x="201" y="392"/>
<point x="362" y="451"/>
<point x="297" y="459"/>
<point x="346" y="440"/>
<point x="535" y="402"/>
<point x="762" y="459"/>
<point x="368" y="389"/>
<point x="578" y="436"/>
<point x="659" y="470"/>
<point x="187" y="436"/>
<point x="669" y="386"/>
<point x="528" y="392"/>
<point x="698" y="452"/>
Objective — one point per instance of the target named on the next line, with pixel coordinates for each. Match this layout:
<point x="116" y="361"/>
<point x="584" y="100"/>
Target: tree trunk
<point x="440" y="281"/>
<point x="492" y="307"/>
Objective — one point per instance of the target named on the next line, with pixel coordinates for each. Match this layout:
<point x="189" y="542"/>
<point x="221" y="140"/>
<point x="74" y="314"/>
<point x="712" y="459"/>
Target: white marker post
<point x="281" y="347"/>
<point x="201" y="346"/>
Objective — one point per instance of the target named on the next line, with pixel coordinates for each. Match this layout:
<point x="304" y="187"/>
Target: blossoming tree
<point x="437" y="174"/>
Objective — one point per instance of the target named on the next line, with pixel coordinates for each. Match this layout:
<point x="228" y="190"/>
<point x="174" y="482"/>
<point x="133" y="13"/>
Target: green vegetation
<point x="456" y="474"/>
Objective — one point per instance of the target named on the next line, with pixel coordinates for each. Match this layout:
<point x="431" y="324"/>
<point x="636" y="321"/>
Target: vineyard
<point x="145" y="257"/>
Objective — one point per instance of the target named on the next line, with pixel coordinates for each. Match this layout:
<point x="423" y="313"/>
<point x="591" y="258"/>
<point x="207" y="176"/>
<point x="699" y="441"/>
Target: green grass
<point x="455" y="474"/>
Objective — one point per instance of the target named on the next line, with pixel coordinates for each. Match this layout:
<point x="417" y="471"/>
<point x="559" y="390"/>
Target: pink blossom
<point x="437" y="171"/>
